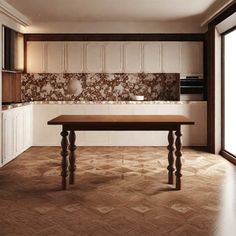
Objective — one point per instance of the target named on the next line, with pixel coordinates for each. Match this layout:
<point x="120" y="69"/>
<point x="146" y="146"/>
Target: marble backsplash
<point x="100" y="87"/>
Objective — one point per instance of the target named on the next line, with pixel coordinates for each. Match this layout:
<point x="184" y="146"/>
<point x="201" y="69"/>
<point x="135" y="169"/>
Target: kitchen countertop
<point x="8" y="107"/>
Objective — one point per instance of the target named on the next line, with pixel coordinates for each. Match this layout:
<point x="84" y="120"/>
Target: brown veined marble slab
<point x="100" y="86"/>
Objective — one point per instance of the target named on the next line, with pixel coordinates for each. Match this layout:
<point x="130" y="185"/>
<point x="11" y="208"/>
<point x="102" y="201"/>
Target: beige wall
<point x="116" y="27"/>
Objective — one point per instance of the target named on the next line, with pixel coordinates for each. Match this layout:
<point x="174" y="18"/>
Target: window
<point x="230" y="92"/>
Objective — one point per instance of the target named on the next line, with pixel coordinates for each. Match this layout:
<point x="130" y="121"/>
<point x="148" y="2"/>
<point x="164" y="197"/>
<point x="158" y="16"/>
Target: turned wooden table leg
<point x="64" y="154"/>
<point x="72" y="149"/>
<point x="170" y="147"/>
<point x="178" y="154"/>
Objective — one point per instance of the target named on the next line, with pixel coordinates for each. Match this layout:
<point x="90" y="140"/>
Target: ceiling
<point x="114" y="10"/>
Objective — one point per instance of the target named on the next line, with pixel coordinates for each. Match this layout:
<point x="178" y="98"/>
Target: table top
<point x="91" y="119"/>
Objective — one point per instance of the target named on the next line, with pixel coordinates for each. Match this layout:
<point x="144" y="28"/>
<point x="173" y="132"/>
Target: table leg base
<point x="178" y="184"/>
<point x="71" y="179"/>
<point x="170" y="178"/>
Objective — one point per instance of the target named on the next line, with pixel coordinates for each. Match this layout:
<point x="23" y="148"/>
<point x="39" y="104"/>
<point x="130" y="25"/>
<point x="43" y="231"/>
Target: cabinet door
<point x="19" y="130"/>
<point x="74" y="57"/>
<point x="192" y="58"/>
<point x="55" y="57"/>
<point x="94" y="57"/>
<point x="43" y="134"/>
<point x="28" y="136"/>
<point x="35" y="57"/>
<point x="113" y="58"/>
<point x="171" y="57"/>
<point x="7" y="136"/>
<point x="152" y="57"/>
<point x="132" y="58"/>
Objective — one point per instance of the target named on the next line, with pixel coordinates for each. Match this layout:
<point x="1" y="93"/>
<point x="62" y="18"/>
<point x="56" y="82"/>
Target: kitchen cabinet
<point x="17" y="132"/>
<point x="35" y="57"/>
<point x="152" y="57"/>
<point x="74" y="56"/>
<point x="8" y="137"/>
<point x="113" y="58"/>
<point x="28" y="126"/>
<point x="171" y="59"/>
<point x="55" y="60"/>
<point x="18" y="114"/>
<point x="132" y="58"/>
<point x="194" y="135"/>
<point x="43" y="135"/>
<point x="192" y="58"/>
<point x="185" y="58"/>
<point x="94" y="57"/>
<point x="11" y="87"/>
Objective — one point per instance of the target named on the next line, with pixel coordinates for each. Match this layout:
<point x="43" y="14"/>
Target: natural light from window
<point x="230" y="92"/>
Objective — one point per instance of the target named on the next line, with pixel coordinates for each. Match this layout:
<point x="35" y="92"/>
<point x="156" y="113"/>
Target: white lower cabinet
<point x="26" y="126"/>
<point x="17" y="132"/>
<point x="44" y="134"/>
<point x="195" y="135"/>
<point x="8" y="139"/>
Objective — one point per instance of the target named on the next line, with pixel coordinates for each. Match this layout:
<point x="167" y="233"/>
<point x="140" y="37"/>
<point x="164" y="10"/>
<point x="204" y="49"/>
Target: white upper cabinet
<point x="74" y="57"/>
<point x="113" y="58"/>
<point x="192" y="58"/>
<point x="152" y="57"/>
<point x="35" y="57"/>
<point x="94" y="57"/>
<point x="55" y="57"/>
<point x="132" y="58"/>
<point x="171" y="57"/>
<point x="185" y="58"/>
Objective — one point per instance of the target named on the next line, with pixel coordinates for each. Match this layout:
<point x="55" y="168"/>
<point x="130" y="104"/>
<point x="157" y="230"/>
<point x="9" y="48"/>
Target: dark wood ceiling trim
<point x="115" y="37"/>
<point x="225" y="14"/>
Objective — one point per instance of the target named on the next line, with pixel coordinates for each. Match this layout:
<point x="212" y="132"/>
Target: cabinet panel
<point x="28" y="135"/>
<point x="171" y="57"/>
<point x="113" y="58"/>
<point x="94" y="57"/>
<point x="132" y="58"/>
<point x="7" y="137"/>
<point x="192" y="58"/>
<point x="74" y="57"/>
<point x="152" y="57"/>
<point x="35" y="57"/>
<point x="43" y="134"/>
<point x="19" y="131"/>
<point x="55" y="57"/>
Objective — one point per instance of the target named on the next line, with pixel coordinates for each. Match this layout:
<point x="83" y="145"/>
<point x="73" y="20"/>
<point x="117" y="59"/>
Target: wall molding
<point x="14" y="14"/>
<point x="214" y="12"/>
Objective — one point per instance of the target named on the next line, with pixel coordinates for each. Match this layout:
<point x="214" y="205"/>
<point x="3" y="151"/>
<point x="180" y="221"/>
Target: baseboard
<point x="228" y="156"/>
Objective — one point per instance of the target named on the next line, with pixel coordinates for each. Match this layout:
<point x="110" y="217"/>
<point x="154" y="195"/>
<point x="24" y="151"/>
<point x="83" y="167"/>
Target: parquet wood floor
<point x="118" y="191"/>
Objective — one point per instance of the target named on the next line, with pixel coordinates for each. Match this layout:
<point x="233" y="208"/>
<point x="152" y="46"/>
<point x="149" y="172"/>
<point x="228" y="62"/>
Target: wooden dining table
<point x="72" y="123"/>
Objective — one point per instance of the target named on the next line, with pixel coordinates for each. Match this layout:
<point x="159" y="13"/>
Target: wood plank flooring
<point x="118" y="191"/>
